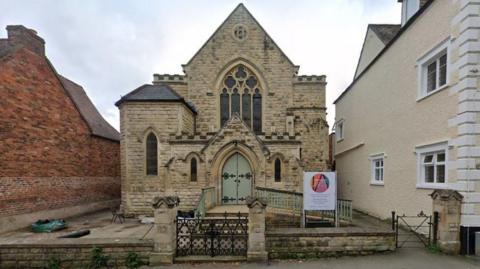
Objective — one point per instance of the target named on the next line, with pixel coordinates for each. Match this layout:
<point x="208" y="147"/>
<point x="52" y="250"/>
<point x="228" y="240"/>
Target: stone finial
<point x="169" y="201"/>
<point x="446" y="195"/>
<point x="254" y="201"/>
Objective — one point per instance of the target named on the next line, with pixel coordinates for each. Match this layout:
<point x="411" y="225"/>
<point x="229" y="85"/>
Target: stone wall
<point x="72" y="253"/>
<point x="300" y="243"/>
<point x="294" y="128"/>
<point x="137" y="120"/>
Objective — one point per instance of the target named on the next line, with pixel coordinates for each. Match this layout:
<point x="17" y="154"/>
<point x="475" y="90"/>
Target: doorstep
<point x="209" y="259"/>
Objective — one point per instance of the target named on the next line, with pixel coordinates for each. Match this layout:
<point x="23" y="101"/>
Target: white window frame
<point x="373" y="169"/>
<point x="421" y="152"/>
<point x="423" y="62"/>
<point x="339" y="130"/>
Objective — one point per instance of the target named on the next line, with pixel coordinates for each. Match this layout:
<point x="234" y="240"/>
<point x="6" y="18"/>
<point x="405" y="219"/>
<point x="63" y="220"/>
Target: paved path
<point x="412" y="258"/>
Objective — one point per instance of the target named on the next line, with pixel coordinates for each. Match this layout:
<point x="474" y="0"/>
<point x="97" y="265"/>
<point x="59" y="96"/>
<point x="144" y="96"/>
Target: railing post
<point x="393" y="220"/>
<point x="435" y="227"/>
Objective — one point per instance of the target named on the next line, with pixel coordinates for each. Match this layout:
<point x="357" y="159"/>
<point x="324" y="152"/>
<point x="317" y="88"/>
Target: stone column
<point x="256" y="230"/>
<point x="165" y="213"/>
<point x="448" y="205"/>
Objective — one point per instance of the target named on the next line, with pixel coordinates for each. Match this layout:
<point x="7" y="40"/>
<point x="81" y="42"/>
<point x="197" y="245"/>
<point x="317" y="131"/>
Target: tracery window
<point x="241" y="94"/>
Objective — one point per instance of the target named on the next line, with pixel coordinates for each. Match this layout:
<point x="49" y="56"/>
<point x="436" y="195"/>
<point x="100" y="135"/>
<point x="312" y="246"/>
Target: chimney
<point x="28" y="38"/>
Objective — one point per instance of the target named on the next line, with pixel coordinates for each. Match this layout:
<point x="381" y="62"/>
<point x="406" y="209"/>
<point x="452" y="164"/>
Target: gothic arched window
<point x="151" y="154"/>
<point x="193" y="169"/>
<point x="278" y="170"/>
<point x="241" y="94"/>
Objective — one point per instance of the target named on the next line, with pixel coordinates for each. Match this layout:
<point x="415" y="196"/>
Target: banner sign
<point x="319" y="191"/>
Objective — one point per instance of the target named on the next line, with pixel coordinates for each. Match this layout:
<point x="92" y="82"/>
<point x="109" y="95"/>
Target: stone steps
<point x="209" y="259"/>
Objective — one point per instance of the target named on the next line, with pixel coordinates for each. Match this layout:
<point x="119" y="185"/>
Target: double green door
<point x="236" y="180"/>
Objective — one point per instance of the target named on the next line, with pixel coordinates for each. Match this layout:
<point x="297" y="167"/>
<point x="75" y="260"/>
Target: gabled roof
<point x="385" y="32"/>
<point x="155" y="93"/>
<point x="385" y="49"/>
<point x="97" y="124"/>
<point x="239" y="7"/>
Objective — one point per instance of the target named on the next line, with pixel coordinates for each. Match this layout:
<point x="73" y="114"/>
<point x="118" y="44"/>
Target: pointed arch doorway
<point x="237" y="180"/>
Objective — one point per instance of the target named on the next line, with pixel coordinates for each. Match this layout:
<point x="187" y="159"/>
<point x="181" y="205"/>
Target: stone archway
<point x="222" y="155"/>
<point x="237" y="180"/>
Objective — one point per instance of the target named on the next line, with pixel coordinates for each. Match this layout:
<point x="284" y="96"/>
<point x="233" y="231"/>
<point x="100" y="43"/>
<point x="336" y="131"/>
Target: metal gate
<point x="415" y="231"/>
<point x="226" y="236"/>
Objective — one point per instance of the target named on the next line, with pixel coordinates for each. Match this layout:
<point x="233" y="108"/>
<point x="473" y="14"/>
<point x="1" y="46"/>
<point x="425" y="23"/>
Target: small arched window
<point x="241" y="94"/>
<point x="151" y="153"/>
<point x="193" y="169"/>
<point x="278" y="170"/>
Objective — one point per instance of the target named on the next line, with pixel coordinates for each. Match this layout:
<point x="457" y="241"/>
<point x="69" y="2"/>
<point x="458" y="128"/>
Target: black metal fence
<point x="212" y="236"/>
<point x="415" y="231"/>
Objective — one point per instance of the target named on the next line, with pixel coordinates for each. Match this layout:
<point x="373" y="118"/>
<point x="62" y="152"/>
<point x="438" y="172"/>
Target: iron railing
<point x="281" y="199"/>
<point x="227" y="236"/>
<point x="208" y="200"/>
<point x="293" y="201"/>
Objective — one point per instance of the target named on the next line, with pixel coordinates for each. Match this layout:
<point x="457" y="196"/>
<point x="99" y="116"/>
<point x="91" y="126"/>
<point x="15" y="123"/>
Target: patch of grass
<point x="133" y="261"/>
<point x="98" y="259"/>
<point x="433" y="248"/>
<point x="54" y="263"/>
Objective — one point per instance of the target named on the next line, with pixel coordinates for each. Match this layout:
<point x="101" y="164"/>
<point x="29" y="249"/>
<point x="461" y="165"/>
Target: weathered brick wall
<point x="72" y="253"/>
<point x="298" y="243"/>
<point x="49" y="159"/>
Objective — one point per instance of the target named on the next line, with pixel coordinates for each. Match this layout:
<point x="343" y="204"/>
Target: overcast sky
<point x="112" y="47"/>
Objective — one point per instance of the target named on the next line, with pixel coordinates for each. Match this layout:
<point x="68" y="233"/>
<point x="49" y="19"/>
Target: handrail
<point x="207" y="201"/>
<point x="281" y="191"/>
<point x="291" y="200"/>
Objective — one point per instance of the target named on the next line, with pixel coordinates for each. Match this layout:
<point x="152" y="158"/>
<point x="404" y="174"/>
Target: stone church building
<point x="239" y="118"/>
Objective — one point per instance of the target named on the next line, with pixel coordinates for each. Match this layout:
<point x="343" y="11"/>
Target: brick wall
<point x="49" y="157"/>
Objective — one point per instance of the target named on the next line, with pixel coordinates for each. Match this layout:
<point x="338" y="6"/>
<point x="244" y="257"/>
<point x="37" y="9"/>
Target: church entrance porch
<point x="237" y="180"/>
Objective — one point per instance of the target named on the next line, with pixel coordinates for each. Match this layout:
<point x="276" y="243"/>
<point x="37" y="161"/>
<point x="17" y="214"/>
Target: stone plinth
<point x="256" y="230"/>
<point x="165" y="212"/>
<point x="448" y="205"/>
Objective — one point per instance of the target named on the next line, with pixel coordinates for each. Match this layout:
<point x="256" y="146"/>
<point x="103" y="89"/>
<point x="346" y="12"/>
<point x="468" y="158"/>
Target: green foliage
<point x="98" y="259"/>
<point x="433" y="248"/>
<point x="133" y="261"/>
<point x="54" y="263"/>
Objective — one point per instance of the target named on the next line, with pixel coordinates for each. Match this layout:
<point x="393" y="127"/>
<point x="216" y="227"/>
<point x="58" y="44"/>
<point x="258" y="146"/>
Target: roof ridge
<point x="240" y="5"/>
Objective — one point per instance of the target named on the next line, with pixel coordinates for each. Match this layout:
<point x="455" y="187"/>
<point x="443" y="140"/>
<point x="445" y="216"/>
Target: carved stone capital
<point x="446" y="195"/>
<point x="168" y="201"/>
<point x="255" y="201"/>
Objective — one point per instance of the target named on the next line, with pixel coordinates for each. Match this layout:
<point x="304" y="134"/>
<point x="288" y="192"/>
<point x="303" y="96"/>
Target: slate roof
<point x="386" y="32"/>
<point x="155" y="93"/>
<point x="97" y="124"/>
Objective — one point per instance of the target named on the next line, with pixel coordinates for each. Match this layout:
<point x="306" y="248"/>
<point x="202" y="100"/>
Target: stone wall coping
<point x="81" y="242"/>
<point x="328" y="232"/>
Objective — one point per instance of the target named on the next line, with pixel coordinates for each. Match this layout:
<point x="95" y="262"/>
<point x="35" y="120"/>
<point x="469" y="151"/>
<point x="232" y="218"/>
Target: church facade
<point x="239" y="118"/>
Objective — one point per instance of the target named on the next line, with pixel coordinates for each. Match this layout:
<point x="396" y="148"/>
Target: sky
<point x="111" y="47"/>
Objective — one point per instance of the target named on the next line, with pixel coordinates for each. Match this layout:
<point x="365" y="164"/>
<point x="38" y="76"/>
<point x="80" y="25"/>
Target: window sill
<point x="432" y="186"/>
<point x="420" y="98"/>
<point x="339" y="140"/>
<point x="377" y="183"/>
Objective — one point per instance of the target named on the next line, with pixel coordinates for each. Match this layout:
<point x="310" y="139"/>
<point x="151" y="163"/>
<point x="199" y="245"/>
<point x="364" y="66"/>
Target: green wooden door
<point x="236" y="180"/>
